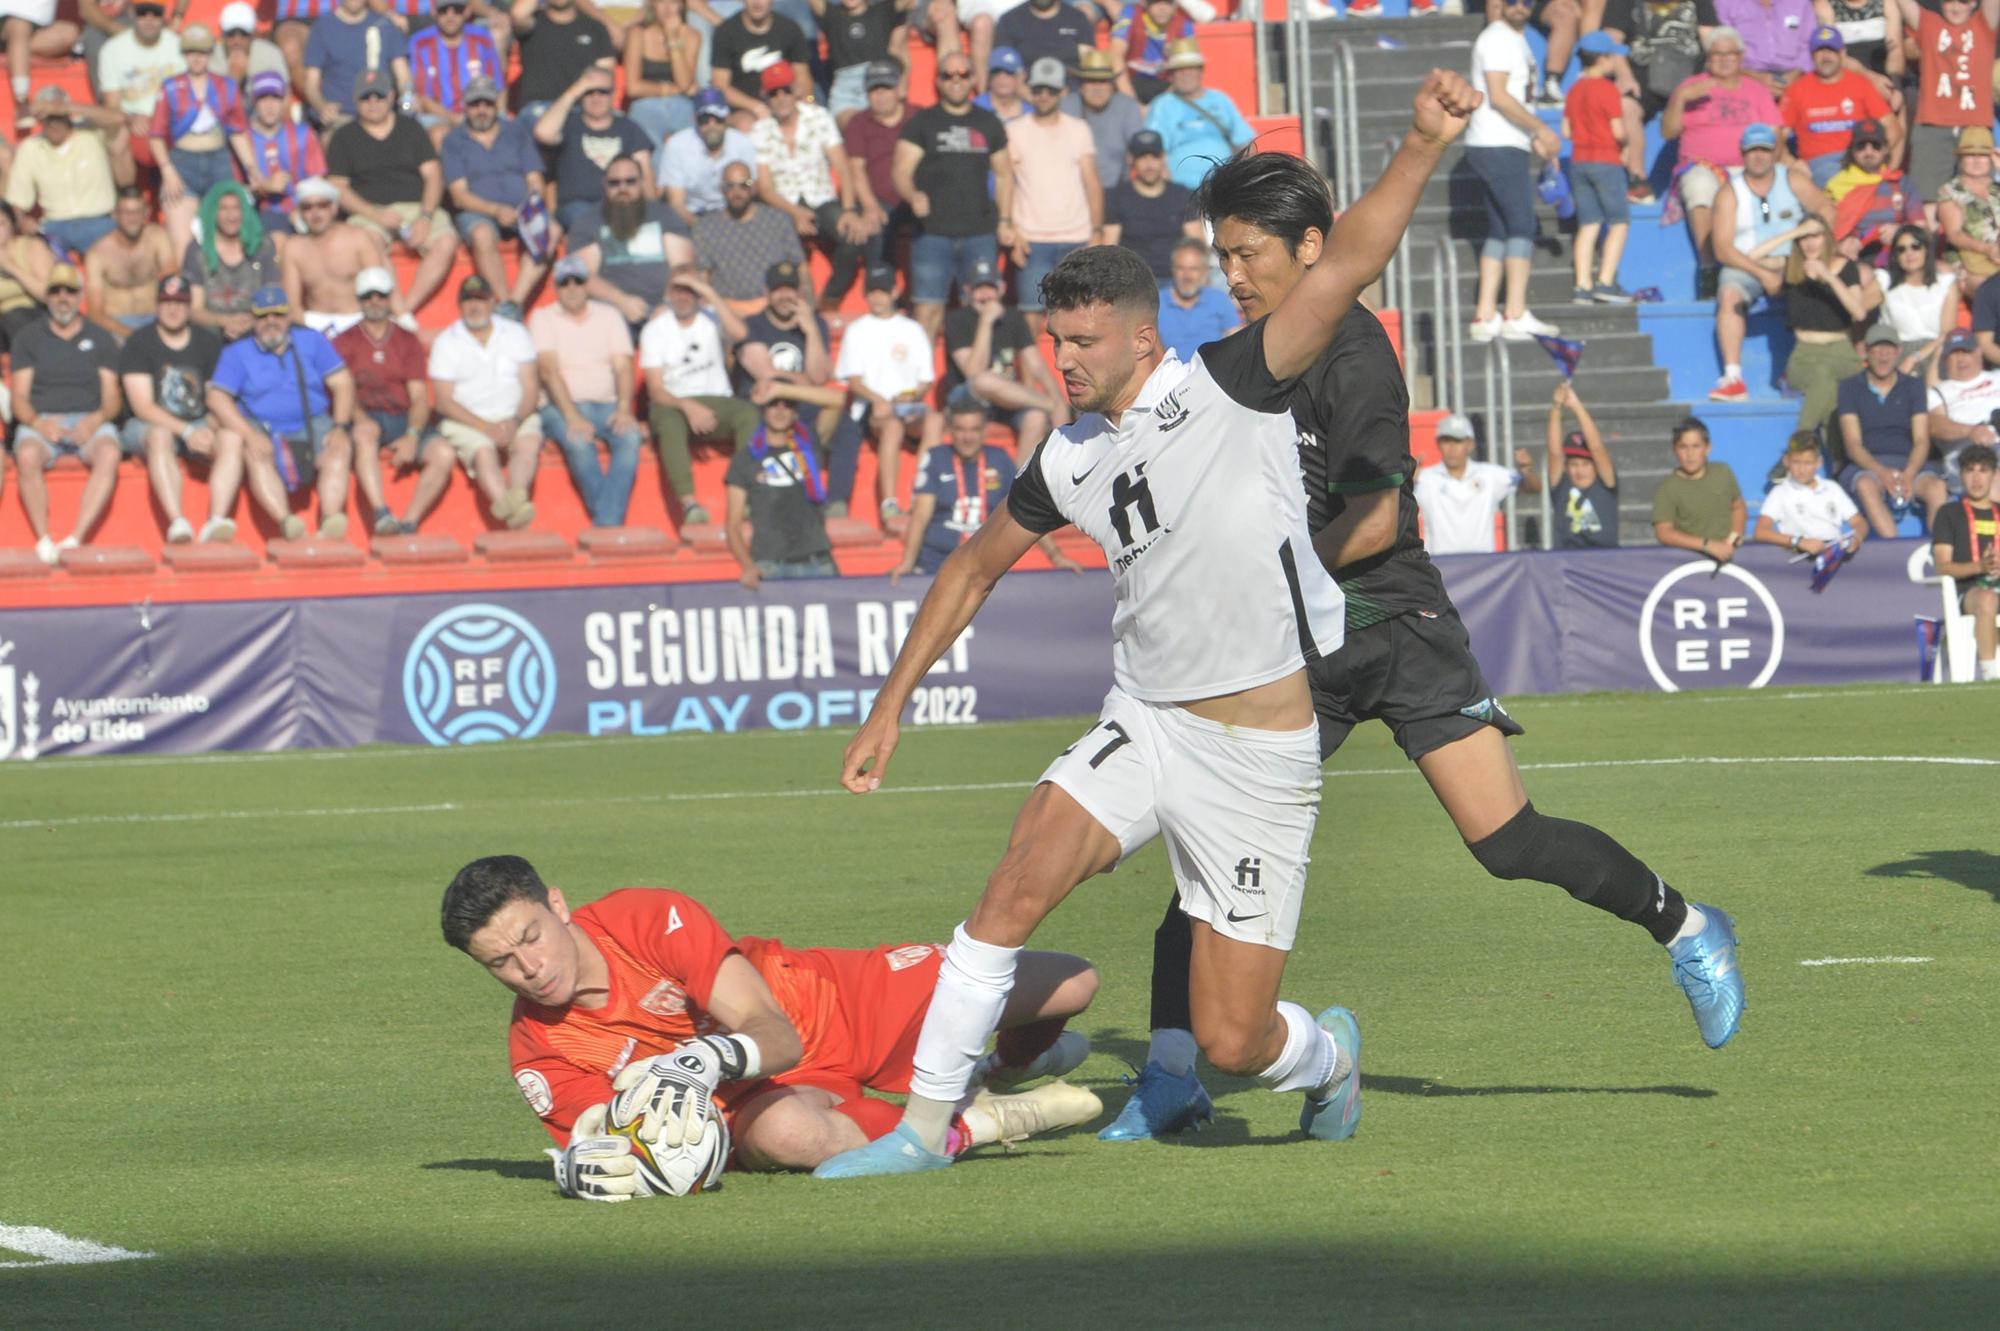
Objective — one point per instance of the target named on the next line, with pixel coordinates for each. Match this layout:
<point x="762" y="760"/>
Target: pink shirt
<point x="1049" y="203"/>
<point x="583" y="350"/>
<point x="1712" y="122"/>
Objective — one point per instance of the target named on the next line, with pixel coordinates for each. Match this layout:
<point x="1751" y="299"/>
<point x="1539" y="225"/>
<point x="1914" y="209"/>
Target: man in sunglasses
<point x="393" y="393"/>
<point x="135" y="65"/>
<point x="446" y="59"/>
<point x="318" y="267"/>
<point x="690" y="163"/>
<point x="492" y="168"/>
<point x="588" y="133"/>
<point x="66" y="395"/>
<point x="585" y="353"/>
<point x="629" y="244"/>
<point x="351" y="41"/>
<point x="244" y="54"/>
<point x="941" y="166"/>
<point x="391" y="182"/>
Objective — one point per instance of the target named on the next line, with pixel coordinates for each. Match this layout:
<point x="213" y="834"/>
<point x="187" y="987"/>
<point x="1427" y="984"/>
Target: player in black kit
<point x="1407" y="660"/>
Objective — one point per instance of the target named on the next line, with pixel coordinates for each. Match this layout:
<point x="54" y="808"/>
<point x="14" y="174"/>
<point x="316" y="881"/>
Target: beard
<point x="624" y="216"/>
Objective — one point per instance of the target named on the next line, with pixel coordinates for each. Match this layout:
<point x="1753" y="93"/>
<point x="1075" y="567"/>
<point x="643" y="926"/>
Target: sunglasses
<point x="148" y="11"/>
<point x="735" y="184"/>
<point x="374" y="97"/>
<point x="572" y="281"/>
<point x="597" y="92"/>
<point x="1911" y="248"/>
<point x="783" y="90"/>
<point x="374" y="295"/>
<point x="63" y="290"/>
<point x="482" y="101"/>
<point x="314" y="205"/>
<point x="620" y="182"/>
<point x="954" y="75"/>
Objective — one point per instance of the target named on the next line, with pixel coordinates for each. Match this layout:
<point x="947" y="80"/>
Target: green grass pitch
<point x="236" y="1041"/>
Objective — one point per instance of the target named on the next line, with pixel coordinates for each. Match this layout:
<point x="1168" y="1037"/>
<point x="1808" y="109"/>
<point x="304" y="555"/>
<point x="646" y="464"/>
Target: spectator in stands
<point x="198" y="135"/>
<point x="492" y="168"/>
<point x="121" y="272"/>
<point x="1963" y="400"/>
<point x="861" y="34"/>
<point x="587" y="134"/>
<point x="484" y="381"/>
<point x="1148" y="213"/>
<point x="752" y="41"/>
<point x="1774" y="35"/>
<point x="1806" y="512"/>
<point x="1594" y="123"/>
<point x="393" y="392"/>
<point x="136" y="64"/>
<point x="318" y="267"/>
<point x="1968" y="209"/>
<point x="630" y="244"/>
<point x="1501" y="143"/>
<point x="776" y="525"/>
<point x="1821" y="110"/>
<point x="739" y="244"/>
<point x="1710" y="114"/>
<point x="802" y="172"/>
<point x="1954" y="83"/>
<point x="585" y="353"/>
<point x="164" y="372"/>
<point x="1191" y="311"/>
<point x="292" y="29"/>
<point x="1560" y="21"/>
<point x="283" y="152"/>
<point x="870" y="139"/>
<point x="245" y="55"/>
<point x="1003" y="85"/>
<point x="1698" y="506"/>
<point x="1758" y="220"/>
<point x="557" y="42"/>
<point x="1583" y="483"/>
<point x="1201" y="126"/>
<point x="285" y="390"/>
<point x="65" y="174"/>
<point x="1922" y="301"/>
<point x="1826" y="296"/>
<point x="957" y="489"/>
<point x="1965" y="546"/>
<point x="1460" y="498"/>
<point x="684" y="353"/>
<point x="344" y="47"/>
<point x="446" y="61"/>
<point x="1886" y="438"/>
<point x="690" y="164"/>
<point x="941" y="168"/>
<point x="33" y="31"/>
<point x="391" y="183"/>
<point x="231" y="260"/>
<point x="1045" y="30"/>
<point x="1113" y="115"/>
<point x="993" y="359"/>
<point x="1873" y="33"/>
<point x="661" y="56"/>
<point x="1138" y="47"/>
<point x="101" y="22"/>
<point x="1868" y="197"/>
<point x="1058" y="199"/>
<point x="786" y="346"/>
<point x="64" y="383"/>
<point x="886" y="359"/>
<point x="25" y="261"/>
<point x="1664" y="37"/>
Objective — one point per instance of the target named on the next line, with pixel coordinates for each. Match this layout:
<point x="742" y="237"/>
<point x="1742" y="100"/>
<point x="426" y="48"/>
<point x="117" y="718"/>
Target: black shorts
<point x="1416" y="674"/>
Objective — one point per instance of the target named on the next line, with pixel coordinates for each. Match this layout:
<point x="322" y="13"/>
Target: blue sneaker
<point x="1705" y="969"/>
<point x="1335" y="1118"/>
<point x="899" y="1152"/>
<point x="1161" y="1105"/>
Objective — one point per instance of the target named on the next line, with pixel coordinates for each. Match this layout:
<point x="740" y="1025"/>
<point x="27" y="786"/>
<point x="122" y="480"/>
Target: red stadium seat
<point x="22" y="564"/>
<point x="627" y="543"/>
<point x="524" y="547"/>
<point x="199" y="559"/>
<point x="313" y="553"/>
<point x="417" y="550"/>
<point x="106" y="560"/>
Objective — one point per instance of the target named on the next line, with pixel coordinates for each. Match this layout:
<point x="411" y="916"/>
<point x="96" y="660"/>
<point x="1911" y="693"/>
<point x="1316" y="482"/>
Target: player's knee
<point x="1511" y="852"/>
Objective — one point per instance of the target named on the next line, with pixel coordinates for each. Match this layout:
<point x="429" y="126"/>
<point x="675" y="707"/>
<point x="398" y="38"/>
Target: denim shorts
<point x="1599" y="188"/>
<point x="1043" y="256"/>
<point x="65" y="448"/>
<point x="469" y="223"/>
<point x="937" y="261"/>
<point x="850" y="89"/>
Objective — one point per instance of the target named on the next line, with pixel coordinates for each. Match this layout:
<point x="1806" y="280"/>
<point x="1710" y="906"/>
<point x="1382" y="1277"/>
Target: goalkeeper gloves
<point x="597" y="1166"/>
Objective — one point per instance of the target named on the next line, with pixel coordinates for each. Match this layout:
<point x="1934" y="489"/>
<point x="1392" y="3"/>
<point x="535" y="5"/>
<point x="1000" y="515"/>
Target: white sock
<point x="1173" y="1050"/>
<point x="1310" y="1057"/>
<point x="20" y="92"/>
<point x="1692" y="925"/>
<point x="1989" y="669"/>
<point x="972" y="989"/>
<point x="1732" y="371"/>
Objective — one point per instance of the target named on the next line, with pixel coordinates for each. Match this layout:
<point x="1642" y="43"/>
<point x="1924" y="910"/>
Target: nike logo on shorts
<point x="1234" y="918"/>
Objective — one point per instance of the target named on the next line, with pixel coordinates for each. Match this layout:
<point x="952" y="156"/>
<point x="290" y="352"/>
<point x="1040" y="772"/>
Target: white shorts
<point x="1236" y="806"/>
<point x="328" y="325"/>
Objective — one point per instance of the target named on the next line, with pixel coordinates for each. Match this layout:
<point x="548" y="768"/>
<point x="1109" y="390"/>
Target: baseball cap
<point x="1574" y="447"/>
<point x="1007" y="58"/>
<point x="238" y="17"/>
<point x="571" y="266"/>
<point x="1881" y="332"/>
<point x="780" y="75"/>
<point x="65" y="275"/>
<point x="1146" y="143"/>
<point x="1758" y="136"/>
<point x="1048" y="72"/>
<point x="882" y="74"/>
<point x="51" y="101"/>
<point x="374" y="80"/>
<point x="175" y="287"/>
<point x="881" y="277"/>
<point x="268" y="83"/>
<point x="1601" y="43"/>
<point x="1825" y="38"/>
<point x="482" y="89"/>
<point x="784" y="273"/>
<point x="475" y="287"/>
<point x="710" y="102"/>
<point x="984" y="274"/>
<point x="197" y="37"/>
<point x="1960" y="339"/>
<point x="375" y="282"/>
<point x="1973" y="140"/>
<point x="1455" y="426"/>
<point x="269" y="299"/>
<point x="317" y="187"/>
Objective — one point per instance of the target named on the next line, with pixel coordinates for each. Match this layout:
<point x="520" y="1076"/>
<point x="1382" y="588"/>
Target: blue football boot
<point x="1161" y="1105"/>
<point x="1335" y="1118"/>
<point x="1705" y="969"/>
<point x="898" y="1152"/>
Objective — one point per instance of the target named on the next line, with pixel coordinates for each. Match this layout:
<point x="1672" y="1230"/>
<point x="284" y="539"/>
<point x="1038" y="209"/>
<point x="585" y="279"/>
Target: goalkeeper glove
<point x="668" y="1096"/>
<point x="596" y="1166"/>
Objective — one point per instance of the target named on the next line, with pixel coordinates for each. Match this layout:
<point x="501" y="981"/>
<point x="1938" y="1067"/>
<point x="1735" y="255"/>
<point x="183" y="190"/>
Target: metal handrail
<point x="1500" y="426"/>
<point x="1447" y="332"/>
<point x="1254" y="11"/>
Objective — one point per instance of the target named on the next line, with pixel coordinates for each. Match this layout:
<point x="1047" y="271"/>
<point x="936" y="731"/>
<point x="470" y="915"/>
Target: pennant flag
<point x="533" y="225"/>
<point x="1927" y="649"/>
<point x="1827" y="563"/>
<point x="1563" y="352"/>
<point x="1648" y="296"/>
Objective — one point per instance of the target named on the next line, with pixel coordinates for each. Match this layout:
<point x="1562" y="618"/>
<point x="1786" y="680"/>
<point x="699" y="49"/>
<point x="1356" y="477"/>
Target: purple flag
<point x="1563" y="352"/>
<point x="533" y="224"/>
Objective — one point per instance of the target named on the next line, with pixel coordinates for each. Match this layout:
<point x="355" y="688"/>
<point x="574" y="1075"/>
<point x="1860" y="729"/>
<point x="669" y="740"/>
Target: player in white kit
<point x="1187" y="474"/>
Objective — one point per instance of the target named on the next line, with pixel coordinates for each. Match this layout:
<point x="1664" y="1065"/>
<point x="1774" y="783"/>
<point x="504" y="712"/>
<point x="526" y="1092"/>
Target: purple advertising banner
<point x="467" y="667"/>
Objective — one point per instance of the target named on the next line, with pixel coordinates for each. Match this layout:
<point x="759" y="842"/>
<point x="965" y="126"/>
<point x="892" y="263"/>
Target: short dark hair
<point x="1102" y="275"/>
<point x="131" y="192"/>
<point x="1976" y="455"/>
<point x="965" y="404"/>
<point x="1692" y="425"/>
<point x="481" y="889"/>
<point x="1275" y="192"/>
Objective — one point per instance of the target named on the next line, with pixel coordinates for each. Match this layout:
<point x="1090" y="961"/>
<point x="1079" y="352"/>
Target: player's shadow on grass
<point x="1393" y="1085"/>
<point x="526" y="1169"/>
<point x="1976" y="869"/>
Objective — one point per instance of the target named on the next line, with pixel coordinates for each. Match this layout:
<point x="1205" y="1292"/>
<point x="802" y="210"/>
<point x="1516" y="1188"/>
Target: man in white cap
<point x="319" y="267"/>
<point x="245" y="54"/>
<point x="393" y="413"/>
<point x="1459" y="498"/>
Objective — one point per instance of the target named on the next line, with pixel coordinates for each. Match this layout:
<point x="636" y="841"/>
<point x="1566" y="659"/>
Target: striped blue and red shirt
<point x="300" y="11"/>
<point x="292" y="148"/>
<point x="440" y="71"/>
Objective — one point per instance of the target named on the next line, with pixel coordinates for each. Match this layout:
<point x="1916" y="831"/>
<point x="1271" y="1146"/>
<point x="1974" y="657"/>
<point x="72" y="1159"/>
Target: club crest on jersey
<point x="1170" y="413"/>
<point x="666" y="999"/>
<point x="535" y="1090"/>
<point x="905" y="957"/>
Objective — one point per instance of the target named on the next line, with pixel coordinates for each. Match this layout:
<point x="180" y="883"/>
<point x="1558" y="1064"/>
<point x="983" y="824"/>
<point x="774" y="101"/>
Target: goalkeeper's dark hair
<point x="481" y="889"/>
<point x="1277" y="193"/>
<point x="1102" y="275"/>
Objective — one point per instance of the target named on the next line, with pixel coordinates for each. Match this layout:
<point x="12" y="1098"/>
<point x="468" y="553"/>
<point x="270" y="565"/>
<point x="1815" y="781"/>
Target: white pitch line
<point x="218" y="815"/>
<point x="55" y="1249"/>
<point x="1867" y="961"/>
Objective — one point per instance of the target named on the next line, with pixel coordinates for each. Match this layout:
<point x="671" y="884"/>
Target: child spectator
<point x="1698" y="506"/>
<point x="1593" y="122"/>
<point x="1583" y="484"/>
<point x="1805" y="511"/>
<point x="1965" y="545"/>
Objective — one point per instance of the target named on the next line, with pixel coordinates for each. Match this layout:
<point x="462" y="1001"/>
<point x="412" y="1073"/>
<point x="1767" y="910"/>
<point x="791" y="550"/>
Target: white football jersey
<point x="1197" y="499"/>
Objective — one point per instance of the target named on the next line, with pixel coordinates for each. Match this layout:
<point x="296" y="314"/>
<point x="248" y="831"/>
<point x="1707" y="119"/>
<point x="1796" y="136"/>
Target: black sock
<point x="1173" y="950"/>
<point x="1585" y="863"/>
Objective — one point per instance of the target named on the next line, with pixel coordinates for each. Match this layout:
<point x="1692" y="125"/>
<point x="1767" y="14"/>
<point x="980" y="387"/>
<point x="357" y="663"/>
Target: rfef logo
<point x="477" y="673"/>
<point x="1698" y="630"/>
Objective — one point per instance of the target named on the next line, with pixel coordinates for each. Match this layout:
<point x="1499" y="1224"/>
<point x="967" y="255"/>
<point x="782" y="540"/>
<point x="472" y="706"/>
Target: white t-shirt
<point x="136" y="72"/>
<point x="1968" y="401"/>
<point x="1458" y="513"/>
<point x="485" y="378"/>
<point x="689" y="356"/>
<point x="1499" y="50"/>
<point x="1916" y="312"/>
<point x="891" y="356"/>
<point x="1818" y="512"/>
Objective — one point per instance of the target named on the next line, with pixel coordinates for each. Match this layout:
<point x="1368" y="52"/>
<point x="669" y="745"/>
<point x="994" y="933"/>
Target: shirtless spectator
<point x="991" y="350"/>
<point x="392" y="392"/>
<point x="121" y="273"/>
<point x="283" y="152"/>
<point x="233" y="258"/>
<point x="320" y="266"/>
<point x="391" y="183"/>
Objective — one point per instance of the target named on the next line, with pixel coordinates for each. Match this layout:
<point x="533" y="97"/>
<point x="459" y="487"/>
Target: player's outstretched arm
<point x="962" y="585"/>
<point x="1367" y="234"/>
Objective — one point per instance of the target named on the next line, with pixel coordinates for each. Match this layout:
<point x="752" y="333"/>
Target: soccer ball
<point x="682" y="1171"/>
